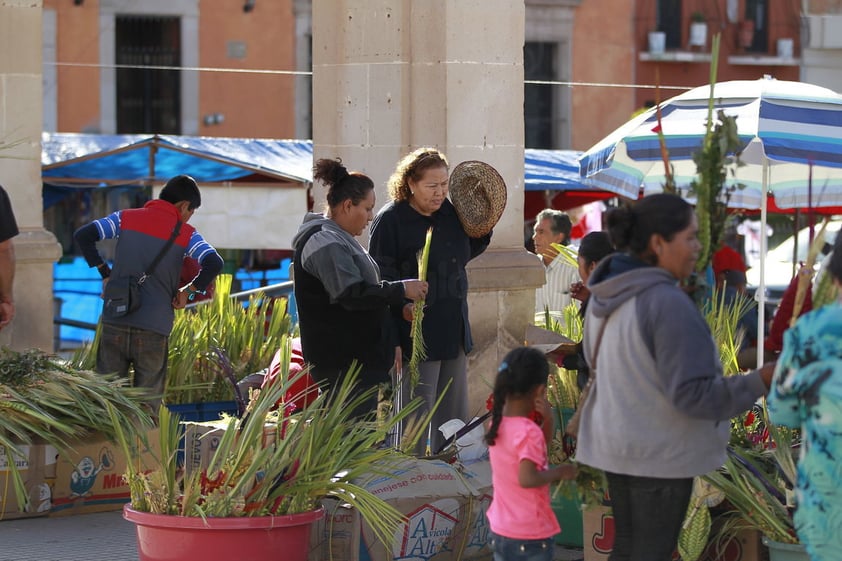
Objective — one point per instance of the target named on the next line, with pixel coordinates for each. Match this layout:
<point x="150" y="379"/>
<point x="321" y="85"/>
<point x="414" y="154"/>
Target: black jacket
<point x="397" y="236"/>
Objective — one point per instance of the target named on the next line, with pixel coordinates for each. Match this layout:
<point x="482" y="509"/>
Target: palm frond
<point x="419" y="349"/>
<point x="269" y="463"/>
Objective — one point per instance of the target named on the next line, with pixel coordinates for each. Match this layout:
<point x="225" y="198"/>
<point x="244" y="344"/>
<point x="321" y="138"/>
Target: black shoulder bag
<point x="122" y="293"/>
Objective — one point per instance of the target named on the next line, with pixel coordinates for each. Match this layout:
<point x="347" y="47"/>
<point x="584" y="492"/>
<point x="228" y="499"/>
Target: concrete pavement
<point x="103" y="536"/>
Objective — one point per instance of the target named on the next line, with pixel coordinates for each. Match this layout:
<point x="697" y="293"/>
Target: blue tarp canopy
<point x="88" y="160"/>
<point x="552" y="180"/>
<point x="73" y="159"/>
<point x="76" y="160"/>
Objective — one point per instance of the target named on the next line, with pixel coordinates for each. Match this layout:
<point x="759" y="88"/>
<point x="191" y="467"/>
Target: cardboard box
<point x="599" y="540"/>
<point x="597" y="533"/>
<point x="201" y="441"/>
<point x="89" y="477"/>
<point x="32" y="464"/>
<point x="444" y="507"/>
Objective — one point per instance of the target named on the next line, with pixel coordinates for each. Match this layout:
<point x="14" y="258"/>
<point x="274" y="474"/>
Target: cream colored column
<point x="21" y="113"/>
<point x="393" y="75"/>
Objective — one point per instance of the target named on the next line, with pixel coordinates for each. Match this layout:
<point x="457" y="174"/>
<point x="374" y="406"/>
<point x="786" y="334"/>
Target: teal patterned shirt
<point x="806" y="394"/>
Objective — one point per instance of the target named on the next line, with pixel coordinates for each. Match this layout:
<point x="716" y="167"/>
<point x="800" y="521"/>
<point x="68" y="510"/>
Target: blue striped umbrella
<point x="792" y="149"/>
<point x="789" y="129"/>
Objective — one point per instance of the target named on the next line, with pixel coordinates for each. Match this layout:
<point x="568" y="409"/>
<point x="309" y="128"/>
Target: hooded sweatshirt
<point x="660" y="405"/>
<point x="343" y="306"/>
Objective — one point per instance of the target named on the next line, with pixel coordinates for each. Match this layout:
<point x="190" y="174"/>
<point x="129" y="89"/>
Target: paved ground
<point x="95" y="537"/>
<point x="88" y="537"/>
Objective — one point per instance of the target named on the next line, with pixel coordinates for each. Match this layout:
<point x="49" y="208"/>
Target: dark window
<point x="148" y="99"/>
<point x="669" y="21"/>
<point x="539" y="62"/>
<point x="758" y="12"/>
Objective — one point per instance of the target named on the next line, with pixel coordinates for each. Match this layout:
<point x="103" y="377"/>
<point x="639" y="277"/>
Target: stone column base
<point x="35" y="253"/>
<point x="501" y="304"/>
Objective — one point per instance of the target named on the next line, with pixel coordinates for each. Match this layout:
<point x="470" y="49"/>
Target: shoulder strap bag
<point x="572" y="428"/>
<point x="167" y="246"/>
<point x="122" y="293"/>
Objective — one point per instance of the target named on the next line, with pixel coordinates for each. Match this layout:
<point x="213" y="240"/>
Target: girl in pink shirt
<point x="521" y="519"/>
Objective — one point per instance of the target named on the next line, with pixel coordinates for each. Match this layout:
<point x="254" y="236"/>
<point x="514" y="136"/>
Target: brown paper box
<point x="444" y="507"/>
<point x="89" y="478"/>
<point x="599" y="539"/>
<point x="32" y="466"/>
<point x="201" y="440"/>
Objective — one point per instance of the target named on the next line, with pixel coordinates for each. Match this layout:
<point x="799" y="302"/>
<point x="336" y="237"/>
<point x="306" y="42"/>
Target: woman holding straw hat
<point x="418" y="189"/>
<point x="343" y="305"/>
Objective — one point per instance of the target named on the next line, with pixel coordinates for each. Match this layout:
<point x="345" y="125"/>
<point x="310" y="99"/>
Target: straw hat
<point x="479" y="195"/>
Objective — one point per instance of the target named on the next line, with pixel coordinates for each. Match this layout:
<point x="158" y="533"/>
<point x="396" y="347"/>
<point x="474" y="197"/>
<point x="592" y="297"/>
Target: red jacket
<point x="775" y="341"/>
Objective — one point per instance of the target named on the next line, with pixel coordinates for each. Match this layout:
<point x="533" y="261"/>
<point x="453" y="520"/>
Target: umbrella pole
<point x="760" y="295"/>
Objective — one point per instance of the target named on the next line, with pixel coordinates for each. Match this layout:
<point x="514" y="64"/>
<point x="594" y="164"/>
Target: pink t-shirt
<point x="516" y="512"/>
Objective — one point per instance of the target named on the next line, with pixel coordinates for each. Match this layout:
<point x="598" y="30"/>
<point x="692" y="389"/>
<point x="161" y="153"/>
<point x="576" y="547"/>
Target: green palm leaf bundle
<point x="321" y="451"/>
<point x="757" y="484"/>
<point x="722" y="316"/>
<point x="248" y="334"/>
<point x="419" y="349"/>
<point x="43" y="400"/>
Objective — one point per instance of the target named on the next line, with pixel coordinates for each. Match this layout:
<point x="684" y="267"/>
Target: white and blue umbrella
<point x="792" y="135"/>
<point x="789" y="129"/>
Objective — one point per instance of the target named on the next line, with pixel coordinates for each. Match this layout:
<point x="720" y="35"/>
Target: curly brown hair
<point x="412" y="166"/>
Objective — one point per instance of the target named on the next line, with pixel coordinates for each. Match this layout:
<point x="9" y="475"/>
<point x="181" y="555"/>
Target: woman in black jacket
<point x="418" y="189"/>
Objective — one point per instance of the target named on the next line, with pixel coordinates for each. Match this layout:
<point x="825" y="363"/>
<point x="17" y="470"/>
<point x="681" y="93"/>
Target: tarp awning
<point x="120" y="159"/>
<point x="554" y="170"/>
<point x="78" y="160"/>
<point x="86" y="160"/>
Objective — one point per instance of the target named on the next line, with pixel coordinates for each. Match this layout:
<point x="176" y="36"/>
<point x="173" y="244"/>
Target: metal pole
<point x="760" y="295"/>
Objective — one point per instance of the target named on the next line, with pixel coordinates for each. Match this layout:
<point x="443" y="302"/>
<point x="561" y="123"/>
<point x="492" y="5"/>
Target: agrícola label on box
<point x="427" y="530"/>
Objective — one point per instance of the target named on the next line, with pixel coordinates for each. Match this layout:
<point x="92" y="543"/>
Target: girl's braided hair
<point x="523" y="369"/>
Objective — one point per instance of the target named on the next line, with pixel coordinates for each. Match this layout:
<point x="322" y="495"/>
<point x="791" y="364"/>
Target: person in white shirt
<point x="553" y="226"/>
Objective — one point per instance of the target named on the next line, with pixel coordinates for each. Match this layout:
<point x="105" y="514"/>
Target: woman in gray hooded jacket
<point x="659" y="406"/>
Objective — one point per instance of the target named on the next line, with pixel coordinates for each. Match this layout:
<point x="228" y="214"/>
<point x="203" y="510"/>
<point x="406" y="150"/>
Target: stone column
<point x="21" y="113"/>
<point x="392" y="75"/>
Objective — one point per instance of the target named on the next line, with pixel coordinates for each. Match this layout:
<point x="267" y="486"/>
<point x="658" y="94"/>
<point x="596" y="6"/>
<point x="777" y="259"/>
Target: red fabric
<point x="304" y="390"/>
<point x="158" y="223"/>
<point x="780" y="323"/>
<point x="727" y="259"/>
<point x="580" y="229"/>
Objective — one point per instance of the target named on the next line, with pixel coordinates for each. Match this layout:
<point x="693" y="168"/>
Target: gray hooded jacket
<point x="660" y="405"/>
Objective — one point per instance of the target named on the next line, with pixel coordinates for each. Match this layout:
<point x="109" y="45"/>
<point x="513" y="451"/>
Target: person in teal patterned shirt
<point x="806" y="393"/>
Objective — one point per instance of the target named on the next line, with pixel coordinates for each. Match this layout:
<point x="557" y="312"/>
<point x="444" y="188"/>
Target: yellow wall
<point x="602" y="35"/>
<point x="77" y="41"/>
<point x="254" y="105"/>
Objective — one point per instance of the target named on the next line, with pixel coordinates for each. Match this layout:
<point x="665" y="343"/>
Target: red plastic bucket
<point x="162" y="537"/>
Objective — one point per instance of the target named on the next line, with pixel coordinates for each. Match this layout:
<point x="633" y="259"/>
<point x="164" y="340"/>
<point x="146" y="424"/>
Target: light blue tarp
<point x="100" y="160"/>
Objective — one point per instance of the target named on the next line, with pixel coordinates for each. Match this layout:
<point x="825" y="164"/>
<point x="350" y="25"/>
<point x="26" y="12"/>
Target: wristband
<point x="104" y="270"/>
<point x="192" y="292"/>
